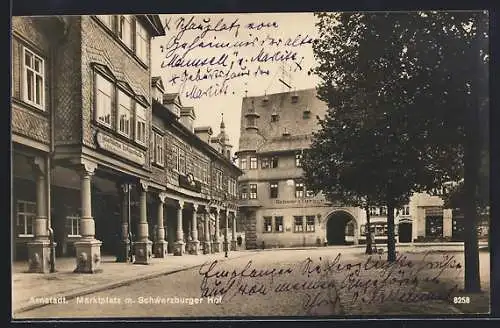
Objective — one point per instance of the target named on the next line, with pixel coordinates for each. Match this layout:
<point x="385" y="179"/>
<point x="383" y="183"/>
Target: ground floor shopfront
<point x="327" y="225"/>
<point x="100" y="208"/>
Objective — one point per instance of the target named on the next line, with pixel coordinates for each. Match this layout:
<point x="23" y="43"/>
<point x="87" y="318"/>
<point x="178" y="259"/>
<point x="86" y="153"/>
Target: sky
<point x="213" y="61"/>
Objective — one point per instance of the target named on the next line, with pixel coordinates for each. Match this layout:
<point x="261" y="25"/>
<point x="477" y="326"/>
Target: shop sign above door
<point x="120" y="148"/>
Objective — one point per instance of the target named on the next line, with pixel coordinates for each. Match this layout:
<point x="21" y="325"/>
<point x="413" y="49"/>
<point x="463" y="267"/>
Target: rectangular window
<point x="33" y="79"/>
<point x="268" y="224"/>
<point x="106" y="19"/>
<point x="243" y="164"/>
<point x="140" y="123"/>
<point x="205" y="173"/>
<point x="274" y="162"/>
<point x="73" y="226"/>
<point x="182" y="161"/>
<point x="103" y="101"/>
<point x="253" y="191"/>
<point x="273" y="189"/>
<point x="309" y="193"/>
<point x="125" y="30"/>
<point x="383" y="210"/>
<point x="374" y="211"/>
<point x="158" y="149"/>
<point x="405" y="210"/>
<point x="299" y="189"/>
<point x="26" y="214"/>
<point x="298" y="159"/>
<point x="278" y="224"/>
<point x="175" y="154"/>
<point x="264" y="163"/>
<point x="298" y="224"/>
<point x="141" y="42"/>
<point x="310" y="223"/>
<point x="253" y="163"/>
<point x="124" y="113"/>
<point x="244" y="192"/>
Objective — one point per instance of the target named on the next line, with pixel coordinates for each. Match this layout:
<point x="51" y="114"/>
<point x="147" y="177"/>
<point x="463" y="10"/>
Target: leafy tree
<point x="403" y="106"/>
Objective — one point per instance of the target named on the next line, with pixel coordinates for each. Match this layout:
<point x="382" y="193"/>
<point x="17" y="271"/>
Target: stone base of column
<point x="226" y="245"/>
<point x="39" y="256"/>
<point x="160" y="249"/>
<point x="143" y="252"/>
<point x="124" y="252"/>
<point x="233" y="245"/>
<point x="88" y="256"/>
<point x="206" y="247"/>
<point x="179" y="248"/>
<point x="193" y="247"/>
<point x="216" y="246"/>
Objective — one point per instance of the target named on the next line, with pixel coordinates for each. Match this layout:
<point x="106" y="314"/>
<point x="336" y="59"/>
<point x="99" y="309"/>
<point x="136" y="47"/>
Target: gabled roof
<point x="157" y="82"/>
<point x="188" y="111"/>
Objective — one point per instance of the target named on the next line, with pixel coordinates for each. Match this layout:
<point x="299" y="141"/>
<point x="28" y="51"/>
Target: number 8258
<point x="461" y="300"/>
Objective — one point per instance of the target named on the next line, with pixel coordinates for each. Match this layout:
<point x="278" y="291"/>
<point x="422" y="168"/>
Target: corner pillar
<point x="233" y="237"/>
<point x="180" y="245"/>
<point x="160" y="245"/>
<point x="216" y="244"/>
<point x="143" y="246"/>
<point x="194" y="243"/>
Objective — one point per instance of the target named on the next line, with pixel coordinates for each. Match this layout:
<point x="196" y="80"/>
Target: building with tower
<point x="278" y="209"/>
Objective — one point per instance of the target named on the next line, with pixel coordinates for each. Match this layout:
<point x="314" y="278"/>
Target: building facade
<point x="276" y="206"/>
<point x="86" y="146"/>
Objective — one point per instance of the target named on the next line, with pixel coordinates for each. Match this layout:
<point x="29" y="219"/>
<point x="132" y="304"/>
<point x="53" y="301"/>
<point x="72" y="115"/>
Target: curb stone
<point x="112" y="285"/>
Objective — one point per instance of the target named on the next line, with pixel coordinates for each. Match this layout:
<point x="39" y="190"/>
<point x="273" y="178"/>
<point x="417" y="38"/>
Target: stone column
<point x="88" y="249"/>
<point x="194" y="243"/>
<point x="179" y="246"/>
<point x="123" y="254"/>
<point x="206" y="239"/>
<point x="143" y="246"/>
<point x="39" y="247"/>
<point x="216" y="244"/>
<point x="160" y="245"/>
<point x="233" y="239"/>
<point x="226" y="230"/>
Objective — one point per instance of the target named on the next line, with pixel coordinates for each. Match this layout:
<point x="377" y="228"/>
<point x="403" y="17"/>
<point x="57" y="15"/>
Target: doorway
<point x="336" y="228"/>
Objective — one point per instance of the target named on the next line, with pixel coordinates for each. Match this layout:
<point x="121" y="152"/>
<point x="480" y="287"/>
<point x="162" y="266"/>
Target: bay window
<point x="124" y="109"/>
<point x="140" y="123"/>
<point x="103" y="103"/>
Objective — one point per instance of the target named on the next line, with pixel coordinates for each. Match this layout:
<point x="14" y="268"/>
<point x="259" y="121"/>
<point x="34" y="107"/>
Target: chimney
<point x="204" y="133"/>
<point x="187" y="117"/>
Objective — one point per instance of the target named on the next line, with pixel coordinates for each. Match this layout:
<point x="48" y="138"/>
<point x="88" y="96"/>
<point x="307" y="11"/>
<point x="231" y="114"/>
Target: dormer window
<point x="295" y="97"/>
<point x="275" y="117"/>
<point x="286" y="133"/>
<point x="265" y="100"/>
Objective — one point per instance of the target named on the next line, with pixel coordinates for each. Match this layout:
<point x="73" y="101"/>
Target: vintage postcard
<point x="250" y="165"/>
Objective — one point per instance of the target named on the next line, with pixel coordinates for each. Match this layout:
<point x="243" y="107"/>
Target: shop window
<point x="274" y="162"/>
<point x="125" y="30"/>
<point x="298" y="159"/>
<point x="243" y="163"/>
<point x="299" y="189"/>
<point x="103" y="104"/>
<point x="253" y="163"/>
<point x="158" y="149"/>
<point x="253" y="191"/>
<point x="140" y="124"/>
<point x="278" y="224"/>
<point x="298" y="224"/>
<point x="268" y="224"/>
<point x="124" y="112"/>
<point x="273" y="189"/>
<point x="33" y="79"/>
<point x="141" y="37"/>
<point x="310" y="223"/>
<point x="73" y="226"/>
<point x="26" y="214"/>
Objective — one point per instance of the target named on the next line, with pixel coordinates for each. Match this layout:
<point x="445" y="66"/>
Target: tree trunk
<point x="391" y="242"/>
<point x="369" y="246"/>
<point x="471" y="171"/>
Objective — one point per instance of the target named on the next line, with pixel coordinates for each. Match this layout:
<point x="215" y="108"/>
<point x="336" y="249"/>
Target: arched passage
<point x="340" y="228"/>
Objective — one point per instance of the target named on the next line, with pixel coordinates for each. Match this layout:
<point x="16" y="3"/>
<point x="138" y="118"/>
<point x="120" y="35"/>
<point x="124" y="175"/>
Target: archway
<point x="340" y="228"/>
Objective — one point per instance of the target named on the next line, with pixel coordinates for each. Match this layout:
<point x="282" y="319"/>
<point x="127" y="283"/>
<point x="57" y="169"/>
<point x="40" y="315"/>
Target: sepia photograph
<point x="250" y="165"/>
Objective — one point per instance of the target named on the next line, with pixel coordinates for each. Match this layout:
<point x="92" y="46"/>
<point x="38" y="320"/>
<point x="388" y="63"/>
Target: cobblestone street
<point x="323" y="281"/>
